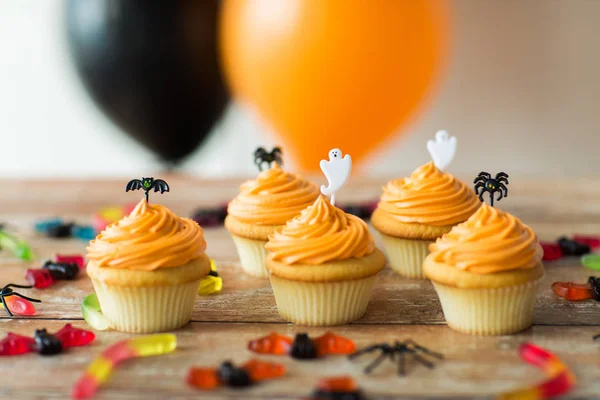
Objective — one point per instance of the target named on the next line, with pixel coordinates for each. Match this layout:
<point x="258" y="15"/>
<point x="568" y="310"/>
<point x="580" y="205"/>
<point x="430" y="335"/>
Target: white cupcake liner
<point x="406" y="256"/>
<point x="322" y="303"/>
<point x="147" y="309"/>
<point x="252" y="254"/>
<point x="497" y="311"/>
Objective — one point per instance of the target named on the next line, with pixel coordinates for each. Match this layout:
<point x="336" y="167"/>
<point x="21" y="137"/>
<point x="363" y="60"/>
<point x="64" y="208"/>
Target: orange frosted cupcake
<point x="146" y="269"/>
<point x="413" y="212"/>
<point x="486" y="272"/>
<point x="265" y="203"/>
<point x="323" y="264"/>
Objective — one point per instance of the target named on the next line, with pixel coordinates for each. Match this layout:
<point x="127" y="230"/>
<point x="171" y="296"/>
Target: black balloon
<point x="152" y="66"/>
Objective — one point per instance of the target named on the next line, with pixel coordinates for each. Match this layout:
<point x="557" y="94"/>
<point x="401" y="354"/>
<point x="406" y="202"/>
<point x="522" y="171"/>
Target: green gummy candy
<point x="591" y="261"/>
<point x="90" y="308"/>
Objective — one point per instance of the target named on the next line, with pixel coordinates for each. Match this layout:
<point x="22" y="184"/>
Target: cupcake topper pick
<point x="337" y="171"/>
<point x="485" y="183"/>
<point x="442" y="149"/>
<point x="147" y="184"/>
<point x="262" y="156"/>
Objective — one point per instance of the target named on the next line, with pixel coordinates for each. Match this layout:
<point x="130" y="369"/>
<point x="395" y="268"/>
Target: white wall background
<point x="522" y="94"/>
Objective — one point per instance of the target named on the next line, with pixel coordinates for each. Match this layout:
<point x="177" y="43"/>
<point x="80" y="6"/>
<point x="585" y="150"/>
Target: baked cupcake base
<point x="322" y="303"/>
<point x="252" y="254"/>
<point x="493" y="311"/>
<point x="147" y="309"/>
<point x="333" y="293"/>
<point x="406" y="256"/>
<point x="148" y="301"/>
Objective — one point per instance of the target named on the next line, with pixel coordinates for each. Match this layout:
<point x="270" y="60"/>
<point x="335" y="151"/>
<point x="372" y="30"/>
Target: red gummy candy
<point x="19" y="306"/>
<point x="592" y="241"/>
<point x="39" y="278"/>
<point x="72" y="337"/>
<point x="552" y="251"/>
<point x="572" y="291"/>
<point x="14" y="344"/>
<point x="71" y="259"/>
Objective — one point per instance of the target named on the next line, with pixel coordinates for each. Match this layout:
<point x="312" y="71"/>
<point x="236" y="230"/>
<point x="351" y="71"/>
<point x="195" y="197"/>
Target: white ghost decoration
<point x="337" y="171"/>
<point x="442" y="149"/>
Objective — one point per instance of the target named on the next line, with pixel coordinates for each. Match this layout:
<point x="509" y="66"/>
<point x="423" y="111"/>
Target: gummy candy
<point x="212" y="283"/>
<point x="572" y="248"/>
<point x="237" y="377"/>
<point x="90" y="308"/>
<point x="552" y="251"/>
<point x="591" y="261"/>
<point x="99" y="370"/>
<point x="592" y="241"/>
<point x="575" y="292"/>
<point x="45" y="343"/>
<point x="560" y="378"/>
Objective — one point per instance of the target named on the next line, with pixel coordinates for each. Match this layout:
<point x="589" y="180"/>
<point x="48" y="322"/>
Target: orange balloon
<point x="333" y="73"/>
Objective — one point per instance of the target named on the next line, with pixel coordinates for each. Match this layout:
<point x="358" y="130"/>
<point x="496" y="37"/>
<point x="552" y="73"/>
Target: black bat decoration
<point x="147" y="184"/>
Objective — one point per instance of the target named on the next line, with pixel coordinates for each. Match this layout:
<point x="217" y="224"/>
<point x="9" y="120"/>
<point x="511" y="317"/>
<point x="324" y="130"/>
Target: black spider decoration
<point x="147" y="184"/>
<point x="6" y="291"/>
<point x="485" y="183"/>
<point x="262" y="156"/>
<point x="399" y="350"/>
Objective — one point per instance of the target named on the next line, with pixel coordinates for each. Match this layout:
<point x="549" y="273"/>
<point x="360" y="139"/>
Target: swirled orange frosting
<point x="488" y="242"/>
<point x="429" y="197"/>
<point x="273" y="198"/>
<point x="150" y="237"/>
<point x="321" y="233"/>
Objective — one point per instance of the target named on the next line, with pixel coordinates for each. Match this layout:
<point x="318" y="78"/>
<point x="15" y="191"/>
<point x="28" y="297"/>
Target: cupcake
<point x="486" y="272"/>
<point x="146" y="269"/>
<point x="263" y="204"/>
<point x="413" y="212"/>
<point x="322" y="265"/>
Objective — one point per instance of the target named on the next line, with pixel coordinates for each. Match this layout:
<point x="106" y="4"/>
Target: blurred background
<point x="515" y="81"/>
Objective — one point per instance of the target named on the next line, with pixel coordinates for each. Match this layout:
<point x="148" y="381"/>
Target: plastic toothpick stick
<point x="337" y="171"/>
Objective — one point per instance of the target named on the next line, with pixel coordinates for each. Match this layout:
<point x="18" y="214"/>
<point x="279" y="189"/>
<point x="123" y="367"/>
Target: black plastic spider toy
<point x="485" y="183"/>
<point x="262" y="156"/>
<point x="399" y="350"/>
<point x="23" y="305"/>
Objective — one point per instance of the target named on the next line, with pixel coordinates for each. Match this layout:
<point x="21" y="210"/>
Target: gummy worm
<point x="560" y="381"/>
<point x="99" y="370"/>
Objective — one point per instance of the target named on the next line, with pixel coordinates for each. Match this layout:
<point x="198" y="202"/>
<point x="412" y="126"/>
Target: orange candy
<point x="261" y="370"/>
<point x="338" y="384"/>
<point x="272" y="344"/>
<point x="330" y="343"/>
<point x="203" y="378"/>
<point x="572" y="291"/>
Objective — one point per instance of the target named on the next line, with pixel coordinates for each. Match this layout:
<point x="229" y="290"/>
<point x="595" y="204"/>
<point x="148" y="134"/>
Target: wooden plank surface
<point x="400" y="308"/>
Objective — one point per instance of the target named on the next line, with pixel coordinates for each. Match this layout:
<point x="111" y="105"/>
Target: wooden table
<point x="222" y="324"/>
